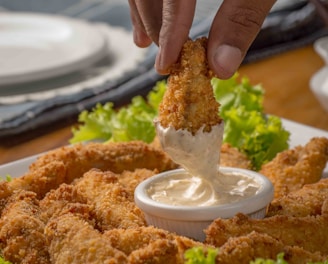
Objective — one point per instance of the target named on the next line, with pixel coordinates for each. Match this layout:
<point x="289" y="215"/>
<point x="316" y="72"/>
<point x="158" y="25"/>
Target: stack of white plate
<point x="45" y="55"/>
<point x="319" y="81"/>
<point x="35" y="46"/>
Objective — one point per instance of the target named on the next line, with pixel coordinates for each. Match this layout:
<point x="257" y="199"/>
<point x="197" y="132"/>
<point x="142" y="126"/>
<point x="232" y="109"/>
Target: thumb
<point x="234" y="28"/>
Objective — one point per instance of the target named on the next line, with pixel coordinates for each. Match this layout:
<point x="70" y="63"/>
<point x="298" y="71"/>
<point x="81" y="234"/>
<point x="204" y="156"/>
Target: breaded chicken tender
<point x="290" y="170"/>
<point x="244" y="249"/>
<point x="308" y="200"/>
<point x="56" y="200"/>
<point x="22" y="237"/>
<point x="130" y="179"/>
<point x="189" y="102"/>
<point x="113" y="205"/>
<point x="73" y="239"/>
<point x="309" y="232"/>
<point x="160" y="251"/>
<point x="129" y="240"/>
<point x="232" y="157"/>
<point x="65" y="164"/>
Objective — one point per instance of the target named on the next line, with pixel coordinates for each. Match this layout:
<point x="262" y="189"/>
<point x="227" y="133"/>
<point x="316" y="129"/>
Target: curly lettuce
<point x="201" y="255"/>
<point x="247" y="127"/>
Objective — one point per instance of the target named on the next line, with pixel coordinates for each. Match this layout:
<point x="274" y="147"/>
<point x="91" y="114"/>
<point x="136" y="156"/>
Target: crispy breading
<point x="97" y="208"/>
<point x="112" y="203"/>
<point x="21" y="230"/>
<point x="160" y="251"/>
<point x="308" y="200"/>
<point x="232" y="157"/>
<point x="72" y="239"/>
<point x="244" y="249"/>
<point x="189" y="102"/>
<point x="130" y="179"/>
<point x="129" y="240"/>
<point x="290" y="170"/>
<point x="309" y="232"/>
<point x="56" y="200"/>
<point x="65" y="164"/>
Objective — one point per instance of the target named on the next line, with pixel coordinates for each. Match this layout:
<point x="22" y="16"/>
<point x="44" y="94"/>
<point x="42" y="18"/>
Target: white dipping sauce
<point x="201" y="184"/>
<point x="183" y="189"/>
<point x="199" y="154"/>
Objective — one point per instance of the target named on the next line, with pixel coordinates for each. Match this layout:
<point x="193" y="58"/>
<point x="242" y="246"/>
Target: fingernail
<point x="226" y="60"/>
<point x="160" y="68"/>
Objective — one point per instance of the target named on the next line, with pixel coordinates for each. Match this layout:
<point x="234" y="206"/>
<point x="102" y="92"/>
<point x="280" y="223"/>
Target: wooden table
<point x="285" y="78"/>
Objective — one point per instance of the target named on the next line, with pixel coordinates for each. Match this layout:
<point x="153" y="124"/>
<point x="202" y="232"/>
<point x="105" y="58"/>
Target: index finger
<point x="176" y="23"/>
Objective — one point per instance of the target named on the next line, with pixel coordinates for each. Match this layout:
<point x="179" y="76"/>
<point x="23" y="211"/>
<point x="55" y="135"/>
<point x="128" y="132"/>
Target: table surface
<point x="285" y="78"/>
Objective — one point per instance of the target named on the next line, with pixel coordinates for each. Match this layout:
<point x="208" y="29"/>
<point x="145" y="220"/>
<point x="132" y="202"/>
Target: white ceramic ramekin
<point x="191" y="221"/>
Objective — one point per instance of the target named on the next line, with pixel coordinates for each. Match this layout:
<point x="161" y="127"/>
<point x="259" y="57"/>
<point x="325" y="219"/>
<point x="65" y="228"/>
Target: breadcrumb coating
<point x="189" y="101"/>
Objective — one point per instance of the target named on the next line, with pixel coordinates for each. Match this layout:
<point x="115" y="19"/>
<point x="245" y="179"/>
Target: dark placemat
<point x="284" y="29"/>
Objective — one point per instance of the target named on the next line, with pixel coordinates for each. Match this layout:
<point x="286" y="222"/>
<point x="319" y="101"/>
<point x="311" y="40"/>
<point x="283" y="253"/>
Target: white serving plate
<point x="319" y="81"/>
<point x="37" y="46"/>
<point x="300" y="135"/>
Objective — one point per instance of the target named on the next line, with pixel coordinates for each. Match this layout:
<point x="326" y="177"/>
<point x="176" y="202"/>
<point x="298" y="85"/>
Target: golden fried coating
<point x="232" y="157"/>
<point x="112" y="203"/>
<point x="72" y="239"/>
<point x="189" y="102"/>
<point x="21" y="230"/>
<point x="130" y="179"/>
<point x="290" y="170"/>
<point x="56" y="200"/>
<point x="161" y="251"/>
<point x="308" y="200"/>
<point x="244" y="249"/>
<point x="65" y="164"/>
<point x="129" y="240"/>
<point x="308" y="232"/>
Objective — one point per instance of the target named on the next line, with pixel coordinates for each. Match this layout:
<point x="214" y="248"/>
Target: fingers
<point x="234" y="28"/>
<point x="176" y="23"/>
<point x="164" y="22"/>
<point x="143" y="20"/>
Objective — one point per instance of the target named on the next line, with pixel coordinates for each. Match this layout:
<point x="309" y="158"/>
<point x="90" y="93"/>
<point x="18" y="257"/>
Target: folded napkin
<point x="61" y="99"/>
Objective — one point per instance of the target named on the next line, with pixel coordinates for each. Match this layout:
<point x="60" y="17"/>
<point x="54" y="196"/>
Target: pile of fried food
<point x="76" y="205"/>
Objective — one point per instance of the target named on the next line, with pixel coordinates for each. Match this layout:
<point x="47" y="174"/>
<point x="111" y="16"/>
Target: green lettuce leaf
<point x="132" y="122"/>
<point x="247" y="128"/>
<point x="199" y="255"/>
<point x="3" y="261"/>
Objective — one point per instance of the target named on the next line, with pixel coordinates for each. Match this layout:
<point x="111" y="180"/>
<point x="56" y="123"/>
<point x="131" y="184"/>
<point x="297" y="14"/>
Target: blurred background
<point x="110" y="68"/>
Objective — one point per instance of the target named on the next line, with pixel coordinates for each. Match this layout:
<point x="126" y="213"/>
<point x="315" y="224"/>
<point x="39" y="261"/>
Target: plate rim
<point x="67" y="65"/>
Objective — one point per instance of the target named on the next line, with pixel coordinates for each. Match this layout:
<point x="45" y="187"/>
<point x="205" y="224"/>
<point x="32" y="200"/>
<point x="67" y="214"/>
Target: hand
<point x="167" y="23"/>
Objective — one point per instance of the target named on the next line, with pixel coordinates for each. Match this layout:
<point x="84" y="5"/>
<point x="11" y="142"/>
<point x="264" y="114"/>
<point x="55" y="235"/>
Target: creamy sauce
<point x="186" y="190"/>
<point x="199" y="154"/>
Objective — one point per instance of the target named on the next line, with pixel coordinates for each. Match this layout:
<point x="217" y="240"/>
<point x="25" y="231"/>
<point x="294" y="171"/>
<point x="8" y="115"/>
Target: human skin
<point x="167" y="24"/>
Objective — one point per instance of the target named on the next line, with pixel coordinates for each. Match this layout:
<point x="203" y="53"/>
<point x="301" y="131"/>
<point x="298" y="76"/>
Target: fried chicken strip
<point x="308" y="200"/>
<point x="65" y="164"/>
<point x="111" y="202"/>
<point x="189" y="101"/>
<point x="21" y="230"/>
<point x="232" y="157"/>
<point x="188" y="125"/>
<point x="290" y="170"/>
<point x="244" y="249"/>
<point x="150" y="244"/>
<point x="308" y="232"/>
<point x="130" y="179"/>
<point x="56" y="200"/>
<point x="73" y="239"/>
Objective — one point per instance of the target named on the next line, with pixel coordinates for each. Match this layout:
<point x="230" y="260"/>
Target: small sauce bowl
<point x="190" y="221"/>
